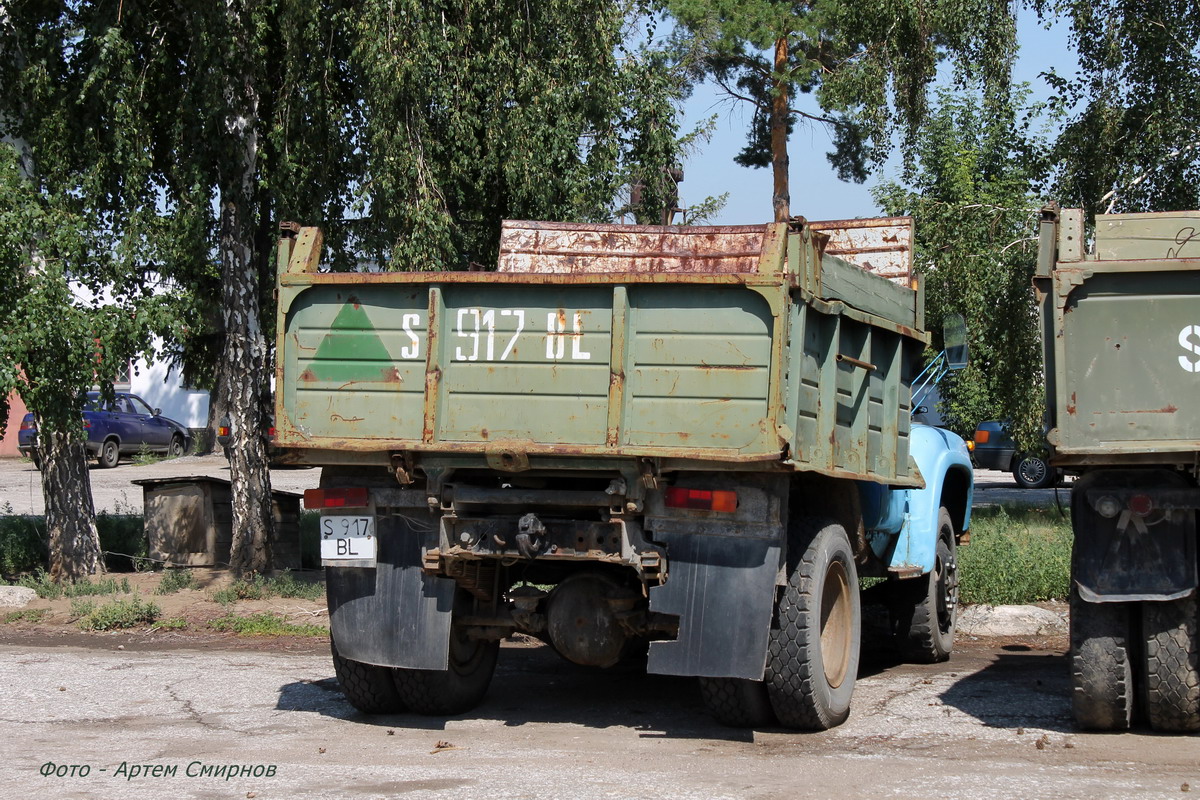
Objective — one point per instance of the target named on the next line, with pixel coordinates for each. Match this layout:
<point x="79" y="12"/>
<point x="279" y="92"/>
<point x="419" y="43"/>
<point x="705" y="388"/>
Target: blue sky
<point x="816" y="191"/>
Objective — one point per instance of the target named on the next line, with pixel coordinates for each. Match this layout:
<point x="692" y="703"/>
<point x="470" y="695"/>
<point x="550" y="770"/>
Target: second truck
<point x="685" y="445"/>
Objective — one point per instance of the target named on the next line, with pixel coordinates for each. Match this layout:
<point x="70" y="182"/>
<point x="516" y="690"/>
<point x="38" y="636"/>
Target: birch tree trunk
<point x="70" y="513"/>
<point x="245" y="354"/>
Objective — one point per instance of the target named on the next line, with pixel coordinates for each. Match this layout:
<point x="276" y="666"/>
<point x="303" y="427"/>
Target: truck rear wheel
<point x="1172" y="664"/>
<point x="456" y="689"/>
<point x="369" y="688"/>
<point x="812" y="659"/>
<point x="737" y="702"/>
<point x="925" y="609"/>
<point x="1101" y="672"/>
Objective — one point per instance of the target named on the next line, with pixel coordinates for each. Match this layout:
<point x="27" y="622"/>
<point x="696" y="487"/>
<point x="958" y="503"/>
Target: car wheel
<point x="925" y="609"/>
<point x="1032" y="472"/>
<point x="110" y="454"/>
<point x="177" y="447"/>
<point x="36" y="459"/>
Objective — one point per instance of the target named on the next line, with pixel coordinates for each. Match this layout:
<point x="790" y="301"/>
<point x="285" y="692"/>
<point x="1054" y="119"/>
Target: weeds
<point x="27" y="615"/>
<point x="47" y="589"/>
<point x="1017" y="556"/>
<point x="172" y="624"/>
<point x="175" y="580"/>
<point x="264" y="624"/>
<point x="119" y="614"/>
<point x="82" y="607"/>
<point x="257" y="587"/>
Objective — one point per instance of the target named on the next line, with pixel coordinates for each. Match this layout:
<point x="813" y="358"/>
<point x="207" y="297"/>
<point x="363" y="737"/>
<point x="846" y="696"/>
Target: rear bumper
<point x="993" y="458"/>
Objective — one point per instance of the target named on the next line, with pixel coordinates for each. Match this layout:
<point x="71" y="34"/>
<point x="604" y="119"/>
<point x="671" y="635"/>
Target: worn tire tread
<point x="1172" y="665"/>
<point x="368" y="687"/>
<point x="737" y="702"/>
<point x="1101" y="671"/>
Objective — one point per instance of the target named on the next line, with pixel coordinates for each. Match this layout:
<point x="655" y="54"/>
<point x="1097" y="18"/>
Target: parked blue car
<point x="123" y="427"/>
<point x="995" y="449"/>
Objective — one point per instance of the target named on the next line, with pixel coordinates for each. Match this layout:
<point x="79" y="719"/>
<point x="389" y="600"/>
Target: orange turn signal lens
<point x="981" y="437"/>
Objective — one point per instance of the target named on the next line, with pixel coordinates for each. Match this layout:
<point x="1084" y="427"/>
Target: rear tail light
<point x="223" y="430"/>
<point x="700" y="499"/>
<point x="27" y="425"/>
<point x="971" y="446"/>
<point x="1141" y="505"/>
<point x="981" y="437"/>
<point x="271" y="433"/>
<point x="335" y="498"/>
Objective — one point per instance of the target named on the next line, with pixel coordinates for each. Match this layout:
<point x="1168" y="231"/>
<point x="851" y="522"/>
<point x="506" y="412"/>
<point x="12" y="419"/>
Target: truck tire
<point x="369" y="688"/>
<point x="1172" y="651"/>
<point x="925" y="609"/>
<point x="459" y="688"/>
<point x="1101" y="671"/>
<point x="737" y="702"/>
<point x="812" y="657"/>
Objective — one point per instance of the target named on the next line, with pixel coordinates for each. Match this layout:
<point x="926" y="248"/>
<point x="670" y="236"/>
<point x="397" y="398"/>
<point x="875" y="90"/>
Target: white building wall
<point x="162" y="387"/>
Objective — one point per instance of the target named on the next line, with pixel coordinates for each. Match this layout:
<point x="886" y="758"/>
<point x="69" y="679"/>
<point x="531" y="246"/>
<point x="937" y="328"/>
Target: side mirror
<point x="157" y="411"/>
<point x="954" y="336"/>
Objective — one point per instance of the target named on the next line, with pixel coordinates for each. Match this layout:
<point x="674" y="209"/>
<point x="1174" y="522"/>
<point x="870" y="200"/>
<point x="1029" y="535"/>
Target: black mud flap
<point x="393" y="615"/>
<point x="1120" y="555"/>
<point x="722" y="588"/>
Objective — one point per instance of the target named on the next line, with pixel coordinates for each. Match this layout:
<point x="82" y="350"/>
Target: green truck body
<point x="624" y="438"/>
<point x="1120" y="313"/>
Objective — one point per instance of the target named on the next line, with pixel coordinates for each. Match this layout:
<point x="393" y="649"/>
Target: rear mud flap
<point x="393" y="615"/>
<point x="1126" y="557"/>
<point x="722" y="588"/>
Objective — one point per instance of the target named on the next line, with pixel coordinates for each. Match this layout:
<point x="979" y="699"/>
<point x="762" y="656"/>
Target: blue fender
<point x="902" y="524"/>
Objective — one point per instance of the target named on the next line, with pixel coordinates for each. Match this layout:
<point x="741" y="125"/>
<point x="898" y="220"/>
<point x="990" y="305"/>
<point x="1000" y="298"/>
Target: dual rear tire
<point x="813" y="650"/>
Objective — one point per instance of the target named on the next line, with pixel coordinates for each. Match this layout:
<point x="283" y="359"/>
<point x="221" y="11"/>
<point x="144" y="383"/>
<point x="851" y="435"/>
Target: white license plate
<point x="348" y="539"/>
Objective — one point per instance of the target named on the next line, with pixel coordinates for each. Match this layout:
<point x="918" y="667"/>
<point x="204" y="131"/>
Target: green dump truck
<point x="1121" y="321"/>
<point x="682" y="445"/>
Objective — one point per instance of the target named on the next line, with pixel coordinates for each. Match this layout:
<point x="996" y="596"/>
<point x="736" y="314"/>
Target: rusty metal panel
<point x="880" y="245"/>
<point x="563" y="247"/>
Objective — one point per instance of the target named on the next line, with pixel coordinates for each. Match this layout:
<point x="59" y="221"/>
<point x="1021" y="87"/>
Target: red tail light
<point x="27" y="425"/>
<point x="335" y="498"/>
<point x="1141" y="505"/>
<point x="271" y="432"/>
<point x="223" y="430"/>
<point x="700" y="499"/>
<point x="982" y="437"/>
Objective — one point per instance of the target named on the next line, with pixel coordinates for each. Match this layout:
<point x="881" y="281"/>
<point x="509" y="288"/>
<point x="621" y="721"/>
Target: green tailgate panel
<point x="527" y="363"/>
<point x="517" y="363"/>
<point x="358" y="361"/>
<point x="699" y="367"/>
<point x="1130" y="374"/>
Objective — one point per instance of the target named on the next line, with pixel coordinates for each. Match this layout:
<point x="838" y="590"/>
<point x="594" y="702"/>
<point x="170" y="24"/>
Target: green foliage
<point x="867" y="64"/>
<point x="22" y="544"/>
<point x="1016" y="556"/>
<point x="175" y="580"/>
<point x="118" y="614"/>
<point x="23" y="547"/>
<point x="47" y="589"/>
<point x="971" y="193"/>
<point x="172" y="624"/>
<point x="82" y="606"/>
<point x="27" y="615"/>
<point x="1135" y="106"/>
<point x="258" y="587"/>
<point x="264" y="624"/>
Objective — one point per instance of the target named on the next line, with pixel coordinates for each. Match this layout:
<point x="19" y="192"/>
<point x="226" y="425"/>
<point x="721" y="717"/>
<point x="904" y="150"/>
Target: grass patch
<point x="172" y="624"/>
<point x="84" y="587"/>
<point x="264" y="624"/>
<point x="175" y="580"/>
<point x="1016" y="556"/>
<point x="144" y="458"/>
<point x="123" y="613"/>
<point x="27" y="615"/>
<point x="257" y="587"/>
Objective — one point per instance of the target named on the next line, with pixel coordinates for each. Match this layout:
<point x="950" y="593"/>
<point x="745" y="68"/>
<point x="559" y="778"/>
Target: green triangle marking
<point x="352" y="350"/>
